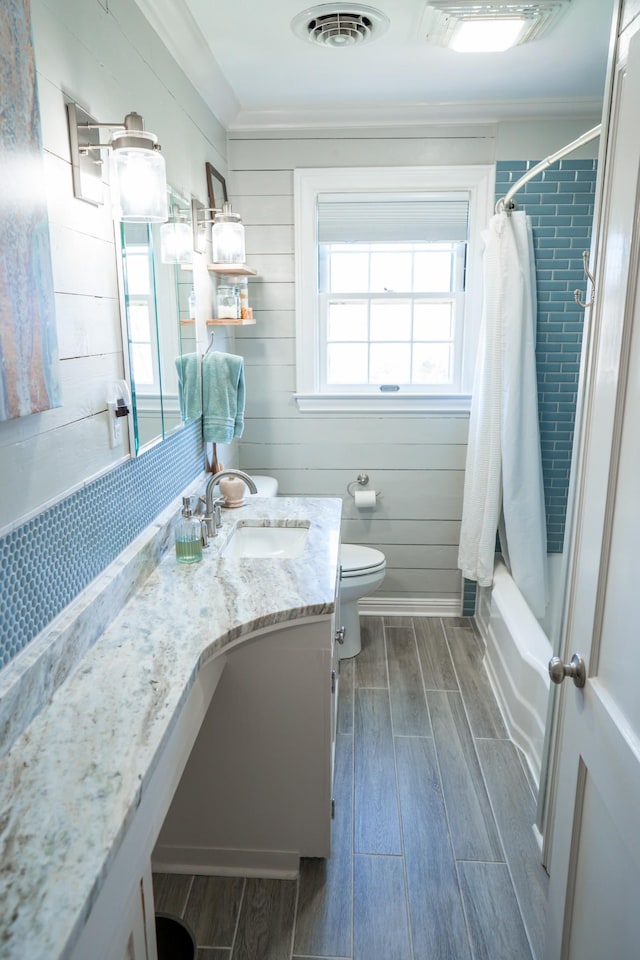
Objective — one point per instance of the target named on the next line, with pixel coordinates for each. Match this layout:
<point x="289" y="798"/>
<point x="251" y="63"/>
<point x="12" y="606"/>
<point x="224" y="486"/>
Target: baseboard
<point x="268" y="864"/>
<point x="409" y="607"/>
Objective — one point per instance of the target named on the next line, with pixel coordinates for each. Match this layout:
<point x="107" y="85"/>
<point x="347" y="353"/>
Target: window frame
<point x="478" y="180"/>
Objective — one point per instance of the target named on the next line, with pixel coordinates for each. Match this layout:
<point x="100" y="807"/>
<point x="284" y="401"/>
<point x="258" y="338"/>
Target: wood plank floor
<point x="434" y="856"/>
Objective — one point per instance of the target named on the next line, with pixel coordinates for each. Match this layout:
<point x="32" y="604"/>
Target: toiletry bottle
<point x="192" y="305"/>
<point x="188" y="535"/>
<point x="243" y="290"/>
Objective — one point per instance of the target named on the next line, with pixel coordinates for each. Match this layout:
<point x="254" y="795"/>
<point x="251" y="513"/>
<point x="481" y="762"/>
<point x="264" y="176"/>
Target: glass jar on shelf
<point x="227" y="302"/>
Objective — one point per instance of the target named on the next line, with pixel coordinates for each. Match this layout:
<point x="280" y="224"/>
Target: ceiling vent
<point x="339" y="25"/>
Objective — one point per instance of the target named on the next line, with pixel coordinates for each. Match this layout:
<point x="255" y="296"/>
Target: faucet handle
<point x="204" y="533"/>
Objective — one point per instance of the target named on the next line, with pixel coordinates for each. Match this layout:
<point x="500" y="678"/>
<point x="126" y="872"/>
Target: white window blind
<point x="372" y="285"/>
<point x="349" y="218"/>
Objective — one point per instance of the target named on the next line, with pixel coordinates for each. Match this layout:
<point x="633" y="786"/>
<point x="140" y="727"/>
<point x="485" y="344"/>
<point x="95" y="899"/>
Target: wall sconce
<point x="199" y="225"/>
<point x="227" y="236"/>
<point x="139" y="179"/>
<point x="227" y="232"/>
<point x="176" y="241"/>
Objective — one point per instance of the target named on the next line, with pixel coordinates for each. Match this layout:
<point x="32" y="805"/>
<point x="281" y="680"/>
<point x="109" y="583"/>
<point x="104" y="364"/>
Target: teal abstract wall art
<point x="29" y="377"/>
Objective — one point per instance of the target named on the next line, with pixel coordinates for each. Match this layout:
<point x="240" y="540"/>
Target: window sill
<point x="435" y="404"/>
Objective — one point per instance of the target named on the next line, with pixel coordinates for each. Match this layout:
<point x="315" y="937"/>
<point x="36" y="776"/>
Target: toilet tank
<point x="267" y="486"/>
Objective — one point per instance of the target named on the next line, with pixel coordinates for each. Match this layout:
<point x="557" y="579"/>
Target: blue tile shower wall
<point x="560" y="203"/>
<point x="48" y="560"/>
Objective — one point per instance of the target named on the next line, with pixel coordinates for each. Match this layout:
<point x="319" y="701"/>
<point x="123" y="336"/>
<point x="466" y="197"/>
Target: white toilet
<point x="362" y="571"/>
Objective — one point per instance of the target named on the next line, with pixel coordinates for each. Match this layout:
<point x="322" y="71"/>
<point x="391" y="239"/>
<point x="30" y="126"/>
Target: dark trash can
<point x="175" y="940"/>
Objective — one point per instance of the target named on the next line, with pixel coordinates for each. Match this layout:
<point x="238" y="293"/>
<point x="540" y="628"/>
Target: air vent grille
<point x="339" y="25"/>
<point x="339" y="29"/>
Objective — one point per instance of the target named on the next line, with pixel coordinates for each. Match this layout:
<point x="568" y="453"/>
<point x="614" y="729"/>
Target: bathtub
<point x="517" y="654"/>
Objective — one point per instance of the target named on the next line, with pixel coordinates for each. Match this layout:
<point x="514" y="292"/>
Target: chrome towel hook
<point x="577" y="293"/>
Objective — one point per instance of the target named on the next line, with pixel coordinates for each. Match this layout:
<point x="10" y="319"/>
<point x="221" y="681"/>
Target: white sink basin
<point x="253" y="540"/>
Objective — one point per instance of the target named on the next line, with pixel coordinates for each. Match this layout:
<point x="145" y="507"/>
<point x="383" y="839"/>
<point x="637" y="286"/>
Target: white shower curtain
<point x="503" y="473"/>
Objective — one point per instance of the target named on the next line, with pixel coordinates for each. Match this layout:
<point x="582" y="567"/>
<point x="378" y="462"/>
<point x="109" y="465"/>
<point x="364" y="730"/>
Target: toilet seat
<point x="358" y="561"/>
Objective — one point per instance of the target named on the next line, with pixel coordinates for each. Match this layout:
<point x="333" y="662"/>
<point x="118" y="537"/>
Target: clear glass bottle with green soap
<point x="188" y="535"/>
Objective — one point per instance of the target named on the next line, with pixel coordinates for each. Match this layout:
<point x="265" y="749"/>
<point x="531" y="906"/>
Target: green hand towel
<point x="223" y="395"/>
<point x="189" y="386"/>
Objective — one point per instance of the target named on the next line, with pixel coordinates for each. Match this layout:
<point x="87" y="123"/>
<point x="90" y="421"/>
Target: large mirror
<point x="159" y="320"/>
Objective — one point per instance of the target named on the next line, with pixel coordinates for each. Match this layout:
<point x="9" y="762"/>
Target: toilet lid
<point x="356" y="560"/>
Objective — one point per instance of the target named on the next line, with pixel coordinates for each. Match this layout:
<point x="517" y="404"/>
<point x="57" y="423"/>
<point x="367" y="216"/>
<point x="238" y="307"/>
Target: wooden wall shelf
<point x="232" y="269"/>
<point x="231" y="323"/>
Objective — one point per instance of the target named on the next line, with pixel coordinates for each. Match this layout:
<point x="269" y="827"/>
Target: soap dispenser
<point x="188" y="535"/>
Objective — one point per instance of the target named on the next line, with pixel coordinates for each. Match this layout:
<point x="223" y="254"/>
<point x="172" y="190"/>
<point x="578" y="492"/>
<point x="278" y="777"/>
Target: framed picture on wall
<point x="216" y="187"/>
<point x="29" y="364"/>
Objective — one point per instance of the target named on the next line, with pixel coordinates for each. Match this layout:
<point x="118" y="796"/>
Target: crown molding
<point x="179" y="32"/>
<point x="419" y="114"/>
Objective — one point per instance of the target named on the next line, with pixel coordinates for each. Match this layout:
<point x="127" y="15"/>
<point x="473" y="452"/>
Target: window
<point x="387" y="274"/>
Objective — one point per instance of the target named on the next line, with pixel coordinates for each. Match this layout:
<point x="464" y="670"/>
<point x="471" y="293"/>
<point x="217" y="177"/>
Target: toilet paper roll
<point x="365" y="499"/>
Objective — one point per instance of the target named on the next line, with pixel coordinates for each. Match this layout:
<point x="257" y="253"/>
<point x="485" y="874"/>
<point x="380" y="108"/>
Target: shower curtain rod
<point x="506" y="202"/>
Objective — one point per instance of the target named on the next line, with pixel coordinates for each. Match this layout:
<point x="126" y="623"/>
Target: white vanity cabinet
<point x="137" y="925"/>
<point x="256" y="794"/>
<point x="121" y="923"/>
<point x="144" y="712"/>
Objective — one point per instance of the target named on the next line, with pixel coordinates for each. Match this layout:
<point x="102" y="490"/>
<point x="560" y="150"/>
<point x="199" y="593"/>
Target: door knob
<point x="576" y="670"/>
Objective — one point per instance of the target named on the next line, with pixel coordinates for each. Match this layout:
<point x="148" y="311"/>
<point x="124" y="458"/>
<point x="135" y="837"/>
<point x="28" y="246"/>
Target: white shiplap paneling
<point x="418" y="430"/>
<point x="384" y="150"/>
<point x="107" y="57"/>
<point x="417" y="461"/>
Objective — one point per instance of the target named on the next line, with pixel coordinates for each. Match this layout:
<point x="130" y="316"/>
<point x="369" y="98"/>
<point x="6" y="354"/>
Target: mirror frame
<point x="216" y="187"/>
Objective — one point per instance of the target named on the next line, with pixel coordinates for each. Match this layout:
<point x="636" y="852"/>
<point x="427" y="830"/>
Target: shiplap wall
<point x="416" y="461"/>
<point x="111" y="62"/>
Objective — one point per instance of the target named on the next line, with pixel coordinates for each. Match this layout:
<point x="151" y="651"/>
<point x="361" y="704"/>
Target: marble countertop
<point x="73" y="778"/>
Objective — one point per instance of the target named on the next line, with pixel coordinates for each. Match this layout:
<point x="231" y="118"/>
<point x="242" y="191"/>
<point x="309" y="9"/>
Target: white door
<point x="594" y="895"/>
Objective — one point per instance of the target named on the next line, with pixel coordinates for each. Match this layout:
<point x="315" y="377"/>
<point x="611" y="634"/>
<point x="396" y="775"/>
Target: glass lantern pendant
<point x="227" y="236"/>
<point x="140" y="175"/>
<point x="176" y="241"/>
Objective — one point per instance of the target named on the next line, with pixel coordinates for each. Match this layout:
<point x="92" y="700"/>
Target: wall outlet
<point x="115" y="429"/>
<point x="118" y="406"/>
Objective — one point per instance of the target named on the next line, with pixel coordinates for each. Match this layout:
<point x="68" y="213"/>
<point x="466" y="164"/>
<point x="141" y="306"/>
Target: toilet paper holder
<point x="362" y="479"/>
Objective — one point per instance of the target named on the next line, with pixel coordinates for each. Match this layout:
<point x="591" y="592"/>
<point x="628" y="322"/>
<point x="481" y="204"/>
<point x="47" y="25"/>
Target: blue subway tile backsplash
<point x="50" y="559"/>
<point x="560" y="203"/>
<point x="469" y="596"/>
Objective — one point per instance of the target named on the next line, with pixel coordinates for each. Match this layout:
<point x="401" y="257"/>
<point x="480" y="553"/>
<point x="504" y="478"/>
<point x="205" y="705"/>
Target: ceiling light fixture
<point x="489" y="26"/>
<point x="339" y="24"/>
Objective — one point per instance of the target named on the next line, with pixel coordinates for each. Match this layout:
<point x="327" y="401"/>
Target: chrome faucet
<point x="209" y="516"/>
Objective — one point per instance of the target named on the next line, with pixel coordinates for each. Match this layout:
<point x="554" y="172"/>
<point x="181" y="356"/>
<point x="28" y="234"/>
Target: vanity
<point x="195" y="735"/>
